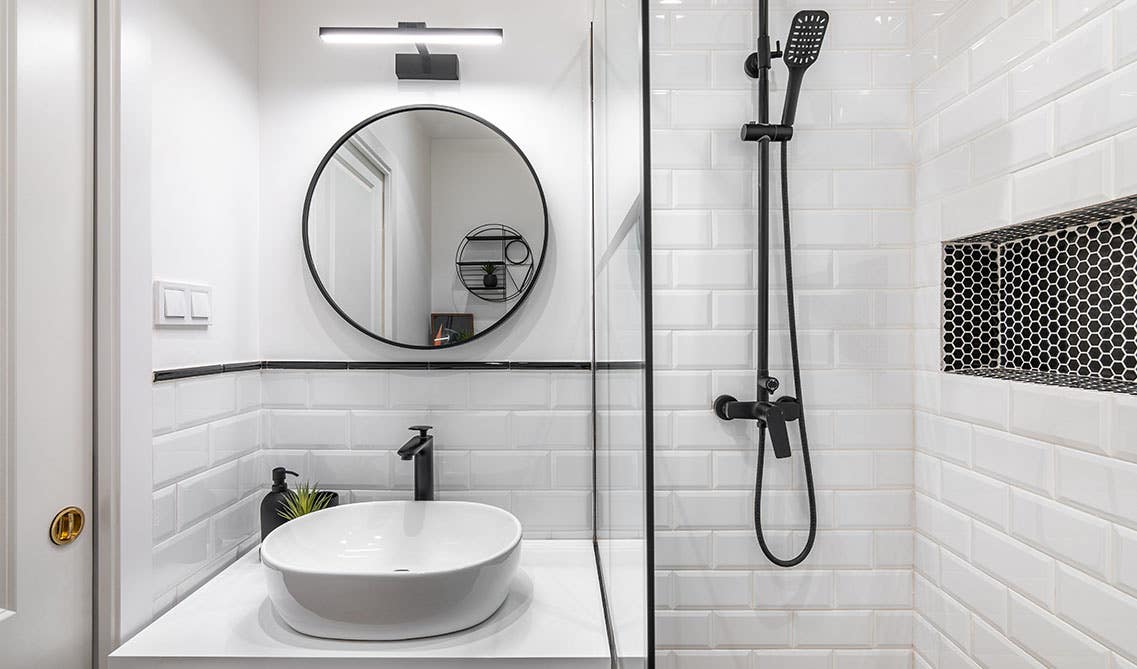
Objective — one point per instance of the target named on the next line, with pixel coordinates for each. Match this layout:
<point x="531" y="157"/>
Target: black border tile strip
<point x="613" y="365"/>
<point x="551" y="366"/>
<point x="206" y="370"/>
<point x="489" y="364"/>
<point x="326" y="365"/>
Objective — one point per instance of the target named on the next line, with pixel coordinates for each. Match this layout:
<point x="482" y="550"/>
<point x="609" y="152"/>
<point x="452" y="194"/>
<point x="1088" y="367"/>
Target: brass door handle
<point x="67" y="525"/>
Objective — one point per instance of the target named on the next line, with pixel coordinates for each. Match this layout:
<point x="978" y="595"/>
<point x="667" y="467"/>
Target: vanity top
<point x="552" y="618"/>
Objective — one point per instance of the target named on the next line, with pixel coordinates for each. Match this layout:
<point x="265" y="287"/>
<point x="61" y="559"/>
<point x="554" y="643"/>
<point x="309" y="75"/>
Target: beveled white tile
<point x="798" y="589"/>
<point x="233" y="437"/>
<point x="1097" y="110"/>
<point x="179" y="557"/>
<point x="353" y="469"/>
<point x="1048" y="637"/>
<point x="1104" y="485"/>
<point x="206" y="493"/>
<point x="1103" y="611"/>
<point x="308" y="429"/>
<point x="711" y="29"/>
<point x="348" y="390"/>
<point x="162" y="407"/>
<point x="1077" y="58"/>
<point x="204" y="399"/>
<point x="179" y="454"/>
<point x="1022" y="34"/>
<point x="1062" y="531"/>
<point x="1021" y="143"/>
<point x="164" y="514"/>
<point x="1073" y="417"/>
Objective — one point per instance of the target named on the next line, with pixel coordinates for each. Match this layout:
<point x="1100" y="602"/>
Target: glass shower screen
<point x="622" y="327"/>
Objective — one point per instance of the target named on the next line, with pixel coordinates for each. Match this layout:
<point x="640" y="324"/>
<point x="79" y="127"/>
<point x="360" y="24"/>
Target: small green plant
<point x="489" y="268"/>
<point x="304" y="499"/>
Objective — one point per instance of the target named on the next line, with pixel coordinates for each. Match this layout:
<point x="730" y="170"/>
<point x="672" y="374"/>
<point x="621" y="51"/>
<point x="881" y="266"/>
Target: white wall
<point x="205" y="161"/>
<point x="534" y="87"/>
<point x="1027" y="529"/>
<point x="245" y="101"/>
<point x="720" y="602"/>
<point x="476" y="182"/>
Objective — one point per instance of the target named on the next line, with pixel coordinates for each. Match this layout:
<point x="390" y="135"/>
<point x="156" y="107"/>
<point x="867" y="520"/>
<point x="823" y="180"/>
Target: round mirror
<point x="425" y="227"/>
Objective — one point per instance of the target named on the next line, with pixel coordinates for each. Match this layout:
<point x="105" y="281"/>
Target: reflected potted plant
<point x="489" y="279"/>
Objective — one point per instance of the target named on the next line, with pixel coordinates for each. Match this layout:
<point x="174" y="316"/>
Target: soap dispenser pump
<point x="273" y="501"/>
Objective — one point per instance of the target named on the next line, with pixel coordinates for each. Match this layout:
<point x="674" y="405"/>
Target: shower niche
<point x="1050" y="301"/>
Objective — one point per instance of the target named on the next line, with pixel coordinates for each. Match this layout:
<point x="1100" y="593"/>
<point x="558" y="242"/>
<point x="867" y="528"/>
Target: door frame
<point x="123" y="312"/>
<point x="7" y="456"/>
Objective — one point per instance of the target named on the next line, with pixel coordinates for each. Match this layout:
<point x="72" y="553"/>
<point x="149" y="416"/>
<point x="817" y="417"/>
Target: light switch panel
<point x="182" y="304"/>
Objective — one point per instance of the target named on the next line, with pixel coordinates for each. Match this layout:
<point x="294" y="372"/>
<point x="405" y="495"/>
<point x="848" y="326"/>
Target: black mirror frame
<point x="320" y="171"/>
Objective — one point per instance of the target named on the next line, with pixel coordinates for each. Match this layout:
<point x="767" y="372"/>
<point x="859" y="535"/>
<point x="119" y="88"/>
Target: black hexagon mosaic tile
<point x="1056" y="306"/>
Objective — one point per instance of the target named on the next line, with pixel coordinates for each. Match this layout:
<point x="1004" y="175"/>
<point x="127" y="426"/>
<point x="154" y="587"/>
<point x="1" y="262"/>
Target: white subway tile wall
<point x="720" y="603"/>
<point x="208" y="479"/>
<point x="518" y="440"/>
<point x="1026" y="495"/>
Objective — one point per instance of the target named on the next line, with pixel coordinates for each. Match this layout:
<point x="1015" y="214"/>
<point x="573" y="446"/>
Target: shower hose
<point x="800" y="557"/>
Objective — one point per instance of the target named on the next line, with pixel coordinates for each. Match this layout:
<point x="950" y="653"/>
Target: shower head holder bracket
<point x="766" y="132"/>
<point x="754" y="63"/>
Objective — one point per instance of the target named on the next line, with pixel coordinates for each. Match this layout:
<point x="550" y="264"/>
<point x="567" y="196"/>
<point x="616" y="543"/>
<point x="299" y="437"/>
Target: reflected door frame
<point x="365" y="164"/>
<point x="381" y="160"/>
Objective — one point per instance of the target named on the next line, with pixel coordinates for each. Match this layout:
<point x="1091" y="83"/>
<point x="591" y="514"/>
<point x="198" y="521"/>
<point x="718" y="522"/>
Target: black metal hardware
<point x="774" y="132"/>
<point x="802" y="48"/>
<point x="421" y="450"/>
<point x="538" y="258"/>
<point x="771" y="415"/>
<point x="505" y="249"/>
<point x="752" y="64"/>
<point x="424" y="65"/>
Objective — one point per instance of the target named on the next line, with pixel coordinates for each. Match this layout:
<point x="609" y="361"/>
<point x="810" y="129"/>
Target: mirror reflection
<point x="425" y="227"/>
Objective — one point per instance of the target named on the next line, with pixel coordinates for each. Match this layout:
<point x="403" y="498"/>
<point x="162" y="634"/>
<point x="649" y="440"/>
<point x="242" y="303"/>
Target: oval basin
<point x="392" y="570"/>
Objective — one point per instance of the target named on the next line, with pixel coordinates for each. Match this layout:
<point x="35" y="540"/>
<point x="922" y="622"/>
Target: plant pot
<point x="489" y="280"/>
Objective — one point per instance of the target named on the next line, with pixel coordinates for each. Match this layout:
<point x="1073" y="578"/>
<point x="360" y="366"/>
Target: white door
<point x="46" y="270"/>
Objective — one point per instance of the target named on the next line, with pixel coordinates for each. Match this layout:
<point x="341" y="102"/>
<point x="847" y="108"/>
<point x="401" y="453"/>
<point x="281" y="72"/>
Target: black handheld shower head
<point x="803" y="46"/>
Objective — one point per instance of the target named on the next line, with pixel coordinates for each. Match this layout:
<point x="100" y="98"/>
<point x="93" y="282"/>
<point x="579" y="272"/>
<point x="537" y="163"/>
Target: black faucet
<point x="773" y="415"/>
<point x="421" y="450"/>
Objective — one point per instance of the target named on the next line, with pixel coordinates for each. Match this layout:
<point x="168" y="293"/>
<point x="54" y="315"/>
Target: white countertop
<point x="552" y="619"/>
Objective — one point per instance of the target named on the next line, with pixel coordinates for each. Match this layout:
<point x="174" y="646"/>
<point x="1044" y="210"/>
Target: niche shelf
<point x="1050" y="301"/>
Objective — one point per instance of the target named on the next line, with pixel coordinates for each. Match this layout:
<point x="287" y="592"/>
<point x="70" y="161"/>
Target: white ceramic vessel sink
<point x="392" y="570"/>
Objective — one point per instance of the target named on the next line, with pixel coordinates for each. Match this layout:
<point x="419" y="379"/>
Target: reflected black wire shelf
<point x="505" y="252"/>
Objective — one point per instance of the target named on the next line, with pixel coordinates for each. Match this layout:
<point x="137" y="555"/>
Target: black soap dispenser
<point x="272" y="502"/>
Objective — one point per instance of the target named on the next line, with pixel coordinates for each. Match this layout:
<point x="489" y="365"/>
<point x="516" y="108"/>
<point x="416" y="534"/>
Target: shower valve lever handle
<point x="773" y="415"/>
<point x="775" y="421"/>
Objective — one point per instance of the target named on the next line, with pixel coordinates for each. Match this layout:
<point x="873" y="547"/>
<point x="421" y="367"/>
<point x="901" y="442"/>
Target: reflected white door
<point x="46" y="270"/>
<point x="350" y="255"/>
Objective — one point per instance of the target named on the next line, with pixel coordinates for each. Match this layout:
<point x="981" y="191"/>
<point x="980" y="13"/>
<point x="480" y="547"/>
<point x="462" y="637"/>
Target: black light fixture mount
<point x="424" y="65"/>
